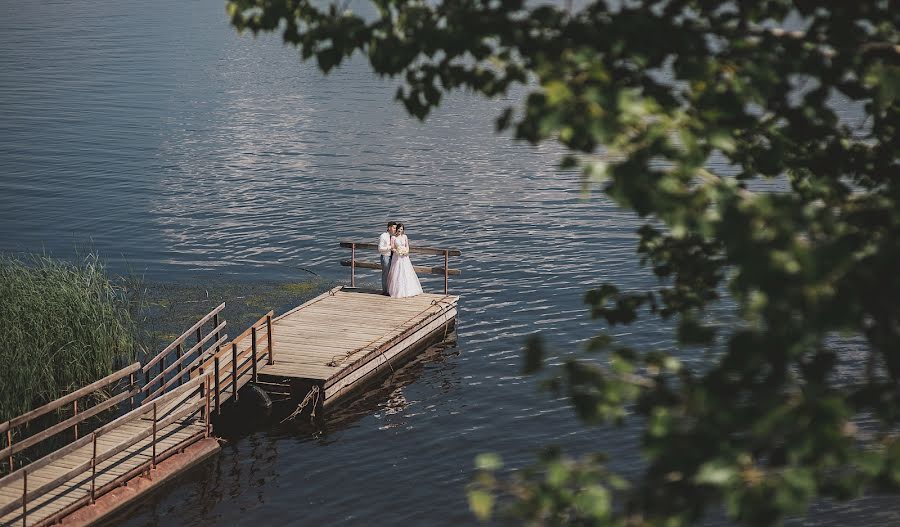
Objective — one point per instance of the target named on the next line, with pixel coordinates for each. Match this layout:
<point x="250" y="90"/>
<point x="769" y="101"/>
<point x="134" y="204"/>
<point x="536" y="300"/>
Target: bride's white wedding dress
<point x="402" y="279"/>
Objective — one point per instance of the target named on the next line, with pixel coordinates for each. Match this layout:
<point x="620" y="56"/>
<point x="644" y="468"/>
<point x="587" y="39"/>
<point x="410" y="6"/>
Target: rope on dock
<point x="312" y="396"/>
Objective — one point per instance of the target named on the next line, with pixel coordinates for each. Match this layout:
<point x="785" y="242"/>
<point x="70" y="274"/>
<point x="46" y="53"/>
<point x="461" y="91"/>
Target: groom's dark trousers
<point x="385" y="268"/>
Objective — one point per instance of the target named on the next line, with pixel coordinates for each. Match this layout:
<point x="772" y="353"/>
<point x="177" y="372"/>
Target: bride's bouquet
<point x="402" y="251"/>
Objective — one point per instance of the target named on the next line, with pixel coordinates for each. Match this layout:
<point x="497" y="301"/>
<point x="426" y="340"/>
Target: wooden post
<point x="93" y="468"/>
<point x="75" y="413"/>
<point x="153" y="459"/>
<point x="131" y="388"/>
<point x="446" y="271"/>
<point x="24" y="497"/>
<point x="216" y="372"/>
<point x="216" y="324"/>
<point x="234" y="370"/>
<point x="253" y="360"/>
<point x="269" y="336"/>
<point x="352" y="265"/>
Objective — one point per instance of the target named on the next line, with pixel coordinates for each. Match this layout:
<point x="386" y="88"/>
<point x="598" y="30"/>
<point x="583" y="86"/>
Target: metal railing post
<point x="206" y="385"/>
<point x="153" y="459"/>
<point x="75" y="414"/>
<point x="25" y="497"/>
<point x="253" y="348"/>
<point x="216" y="372"/>
<point x="269" y="337"/>
<point x="446" y="271"/>
<point x="352" y="265"/>
<point x="234" y="370"/>
<point x="93" y="468"/>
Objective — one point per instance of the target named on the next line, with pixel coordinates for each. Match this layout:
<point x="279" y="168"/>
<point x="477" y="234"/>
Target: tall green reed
<point x="62" y="325"/>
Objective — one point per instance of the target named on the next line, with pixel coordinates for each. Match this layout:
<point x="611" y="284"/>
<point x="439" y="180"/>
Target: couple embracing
<point x="398" y="278"/>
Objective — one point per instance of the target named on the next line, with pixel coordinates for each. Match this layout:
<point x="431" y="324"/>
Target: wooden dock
<point x="146" y="423"/>
<point x="340" y="339"/>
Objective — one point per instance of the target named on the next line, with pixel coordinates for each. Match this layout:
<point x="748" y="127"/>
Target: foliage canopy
<point x="803" y="236"/>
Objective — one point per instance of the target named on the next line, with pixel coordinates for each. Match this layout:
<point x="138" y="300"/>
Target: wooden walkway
<point x="112" y="454"/>
<point x="341" y="338"/>
<point x="115" y="469"/>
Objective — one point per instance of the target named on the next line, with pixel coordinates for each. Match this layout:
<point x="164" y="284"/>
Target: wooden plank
<point x="331" y="320"/>
<point x="423" y="250"/>
<point x="80" y="467"/>
<point x="419" y="269"/>
<point x="308" y="354"/>
<point x="323" y="296"/>
<point x="335" y="388"/>
<point x="350" y="317"/>
<point x="68" y="492"/>
<point x="398" y="338"/>
<point x="300" y="371"/>
<point x="353" y="318"/>
<point x="339" y="339"/>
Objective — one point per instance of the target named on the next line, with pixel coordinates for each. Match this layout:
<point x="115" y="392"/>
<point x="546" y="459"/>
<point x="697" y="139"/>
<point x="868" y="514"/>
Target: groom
<point x="384" y="249"/>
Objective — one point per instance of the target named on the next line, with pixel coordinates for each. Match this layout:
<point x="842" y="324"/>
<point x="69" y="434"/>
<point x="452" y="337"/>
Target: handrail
<point x="417" y="268"/>
<point x="420" y="250"/>
<point x="185" y="355"/>
<point x="183" y="336"/>
<point x="59" y="427"/>
<point x="235" y="359"/>
<point x="119" y="421"/>
<point x="167" y="407"/>
<point x="77" y="394"/>
<point x="119" y="447"/>
<point x="190" y="367"/>
<point x="445" y="270"/>
<point x="122" y="445"/>
<point x="202" y="337"/>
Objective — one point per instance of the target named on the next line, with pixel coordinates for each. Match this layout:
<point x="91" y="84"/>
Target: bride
<point x="402" y="279"/>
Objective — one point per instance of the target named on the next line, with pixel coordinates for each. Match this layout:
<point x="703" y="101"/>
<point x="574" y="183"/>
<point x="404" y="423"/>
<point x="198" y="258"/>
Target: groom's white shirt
<point x="384" y="244"/>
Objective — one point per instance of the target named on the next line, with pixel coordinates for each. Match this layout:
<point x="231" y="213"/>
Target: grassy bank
<point x="62" y="325"/>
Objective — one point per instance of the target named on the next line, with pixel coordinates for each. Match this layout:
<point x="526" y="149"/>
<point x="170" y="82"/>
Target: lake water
<point x="154" y="134"/>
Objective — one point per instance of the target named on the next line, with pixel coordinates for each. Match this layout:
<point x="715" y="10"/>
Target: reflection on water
<point x="178" y="149"/>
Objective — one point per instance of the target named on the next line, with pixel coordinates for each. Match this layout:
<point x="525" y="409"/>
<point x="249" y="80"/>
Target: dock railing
<point x="238" y="361"/>
<point x="178" y="384"/>
<point x="160" y="420"/>
<point x="170" y="364"/>
<point x="353" y="263"/>
<point x="110" y="382"/>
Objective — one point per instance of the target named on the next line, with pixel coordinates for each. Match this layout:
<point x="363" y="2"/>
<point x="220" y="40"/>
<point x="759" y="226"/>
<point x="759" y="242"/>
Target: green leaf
<point x="717" y="472"/>
<point x="488" y="461"/>
<point x="481" y="503"/>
